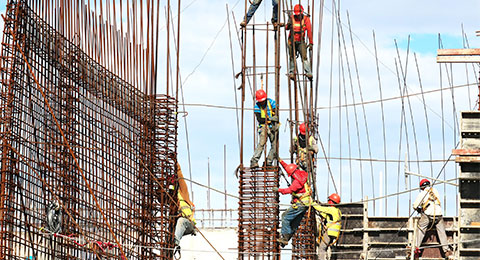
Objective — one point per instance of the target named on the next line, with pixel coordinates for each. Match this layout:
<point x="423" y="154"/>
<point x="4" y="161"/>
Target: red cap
<point x="298" y="9"/>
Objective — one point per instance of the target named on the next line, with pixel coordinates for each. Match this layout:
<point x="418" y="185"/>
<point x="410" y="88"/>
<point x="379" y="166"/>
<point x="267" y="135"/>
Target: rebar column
<point x="258" y="221"/>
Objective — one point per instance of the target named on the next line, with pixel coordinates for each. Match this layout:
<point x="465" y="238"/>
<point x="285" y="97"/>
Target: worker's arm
<point x="313" y="145"/>
<point x="288" y="26"/>
<point x="294" y="187"/>
<point x="259" y="118"/>
<point x="418" y="201"/>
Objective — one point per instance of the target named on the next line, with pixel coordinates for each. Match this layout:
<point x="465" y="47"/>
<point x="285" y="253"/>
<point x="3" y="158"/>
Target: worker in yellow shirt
<point x="185" y="222"/>
<point x="330" y="225"/>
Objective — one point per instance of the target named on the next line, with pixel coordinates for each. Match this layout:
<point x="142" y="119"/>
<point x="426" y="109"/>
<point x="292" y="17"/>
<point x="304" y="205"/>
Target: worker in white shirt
<point x="428" y="205"/>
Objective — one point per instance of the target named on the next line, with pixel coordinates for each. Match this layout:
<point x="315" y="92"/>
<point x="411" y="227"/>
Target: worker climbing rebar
<point x="186" y="222"/>
<point x="301" y="148"/>
<point x="254" y="6"/>
<point x="329" y="224"/>
<point x="428" y="205"/>
<point x="298" y="24"/>
<point x="302" y="200"/>
<point x="267" y="127"/>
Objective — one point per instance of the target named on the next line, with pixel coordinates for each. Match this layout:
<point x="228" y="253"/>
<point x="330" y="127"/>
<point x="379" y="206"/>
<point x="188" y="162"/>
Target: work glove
<point x="310" y="46"/>
<point x="275" y="189"/>
<point x="419" y="209"/>
<point x="274" y="119"/>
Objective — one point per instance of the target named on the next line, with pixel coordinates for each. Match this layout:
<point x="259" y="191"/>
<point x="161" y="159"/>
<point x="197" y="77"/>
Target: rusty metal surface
<point x="258" y="219"/>
<point x="74" y="133"/>
<point x="304" y="241"/>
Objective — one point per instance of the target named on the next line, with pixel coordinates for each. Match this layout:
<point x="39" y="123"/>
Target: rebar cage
<point x="258" y="214"/>
<point x="80" y="140"/>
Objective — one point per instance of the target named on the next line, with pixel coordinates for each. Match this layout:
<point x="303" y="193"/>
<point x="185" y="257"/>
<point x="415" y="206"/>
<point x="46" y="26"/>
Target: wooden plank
<point x="458" y="59"/>
<point x="465" y="152"/>
<point x="451" y="52"/>
<point x="467" y="159"/>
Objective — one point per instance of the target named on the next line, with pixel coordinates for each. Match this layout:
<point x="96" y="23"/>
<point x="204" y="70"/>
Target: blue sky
<point x="211" y="82"/>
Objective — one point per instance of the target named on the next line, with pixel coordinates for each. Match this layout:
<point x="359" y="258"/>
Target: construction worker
<point x="185" y="222"/>
<point x="301" y="148"/>
<point x="302" y="199"/>
<point x="330" y="224"/>
<point x="267" y="127"/>
<point x="427" y="204"/>
<point x="253" y="7"/>
<point x="299" y="23"/>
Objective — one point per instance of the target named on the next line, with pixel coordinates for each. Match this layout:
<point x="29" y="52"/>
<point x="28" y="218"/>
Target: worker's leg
<point x="251" y="10"/>
<point x="291" y="55"/>
<point x="421" y="229"/>
<point x="291" y="219"/>
<point x="442" y="235"/>
<point x="273" y="136"/>
<point x="183" y="227"/>
<point x="322" y="248"/>
<point x="262" y="140"/>
<point x="275" y="11"/>
<point x="302" y="48"/>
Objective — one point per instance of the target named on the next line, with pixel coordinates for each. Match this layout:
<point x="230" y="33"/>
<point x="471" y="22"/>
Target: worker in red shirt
<point x="299" y="23"/>
<point x="302" y="200"/>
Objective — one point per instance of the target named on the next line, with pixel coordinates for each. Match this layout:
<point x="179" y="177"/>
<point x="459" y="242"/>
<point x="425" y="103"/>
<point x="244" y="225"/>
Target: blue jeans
<point x="184" y="227"/>
<point x="253" y="7"/>
<point x="292" y="217"/>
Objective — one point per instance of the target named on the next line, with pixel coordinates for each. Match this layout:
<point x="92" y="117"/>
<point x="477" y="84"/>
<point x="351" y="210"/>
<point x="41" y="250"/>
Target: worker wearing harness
<point x="331" y="229"/>
<point x="428" y="205"/>
<point x="298" y="23"/>
<point x="185" y="222"/>
<point x="301" y="148"/>
<point x="267" y="127"/>
<point x="302" y="200"/>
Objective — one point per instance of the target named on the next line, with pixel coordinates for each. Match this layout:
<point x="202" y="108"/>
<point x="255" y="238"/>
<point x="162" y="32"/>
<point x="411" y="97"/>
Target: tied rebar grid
<point x="304" y="241"/>
<point x="258" y="221"/>
<point x="74" y="133"/>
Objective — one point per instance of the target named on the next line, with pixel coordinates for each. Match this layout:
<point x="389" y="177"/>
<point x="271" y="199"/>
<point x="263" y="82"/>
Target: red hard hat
<point x="302" y="129"/>
<point x="260" y="95"/>
<point x="424" y="182"/>
<point x="290" y="168"/>
<point x="335" y="198"/>
<point x="298" y="9"/>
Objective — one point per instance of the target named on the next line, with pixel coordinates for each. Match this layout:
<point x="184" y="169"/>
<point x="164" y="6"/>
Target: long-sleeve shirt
<point x="298" y="183"/>
<point x="429" y="200"/>
<point x="333" y="216"/>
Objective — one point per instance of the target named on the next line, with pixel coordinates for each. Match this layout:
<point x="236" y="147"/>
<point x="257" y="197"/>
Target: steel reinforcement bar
<point x="258" y="221"/>
<point x="85" y="156"/>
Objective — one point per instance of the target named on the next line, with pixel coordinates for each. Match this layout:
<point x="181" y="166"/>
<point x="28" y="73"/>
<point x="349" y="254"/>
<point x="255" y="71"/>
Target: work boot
<point x="283" y="240"/>
<point x="449" y="254"/>
<point x="416" y="253"/>
<point x="291" y="76"/>
<point x="176" y="252"/>
<point x="243" y="23"/>
<point x="253" y="164"/>
<point x="309" y="76"/>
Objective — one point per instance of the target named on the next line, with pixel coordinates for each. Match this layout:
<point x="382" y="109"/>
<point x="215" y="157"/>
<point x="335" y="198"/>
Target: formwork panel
<point x="84" y="142"/>
<point x="258" y="221"/>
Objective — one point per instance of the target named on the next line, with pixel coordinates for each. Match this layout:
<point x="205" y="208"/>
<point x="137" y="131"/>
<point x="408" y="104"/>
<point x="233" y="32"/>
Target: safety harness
<point x="298" y="29"/>
<point x="264" y="112"/>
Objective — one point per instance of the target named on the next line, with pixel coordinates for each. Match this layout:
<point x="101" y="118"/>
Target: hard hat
<point x="290" y="168"/>
<point x="260" y="95"/>
<point x="302" y="129"/>
<point x="298" y="9"/>
<point x="334" y="197"/>
<point x="424" y="182"/>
